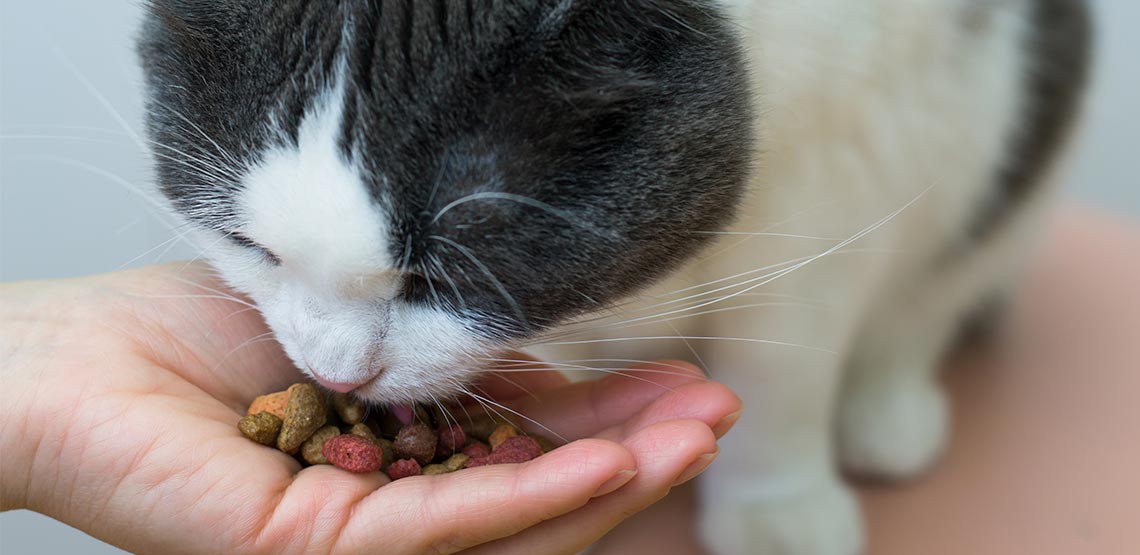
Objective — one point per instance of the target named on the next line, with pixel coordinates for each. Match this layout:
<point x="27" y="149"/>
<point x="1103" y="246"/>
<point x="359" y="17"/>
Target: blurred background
<point x="71" y="171"/>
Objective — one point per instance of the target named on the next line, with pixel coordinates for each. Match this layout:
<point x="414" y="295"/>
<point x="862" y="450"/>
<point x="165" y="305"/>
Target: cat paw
<point x="822" y="519"/>
<point x="893" y="431"/>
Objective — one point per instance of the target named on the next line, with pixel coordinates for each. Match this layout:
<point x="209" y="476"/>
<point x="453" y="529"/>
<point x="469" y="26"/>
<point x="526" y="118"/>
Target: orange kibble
<point x="274" y="404"/>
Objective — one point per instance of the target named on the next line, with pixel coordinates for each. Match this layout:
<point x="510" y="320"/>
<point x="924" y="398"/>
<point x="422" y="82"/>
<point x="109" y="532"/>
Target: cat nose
<point x="335" y="386"/>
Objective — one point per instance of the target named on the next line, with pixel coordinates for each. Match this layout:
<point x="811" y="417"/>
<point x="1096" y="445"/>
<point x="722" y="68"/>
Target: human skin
<point x="121" y="394"/>
<point x="1045" y="451"/>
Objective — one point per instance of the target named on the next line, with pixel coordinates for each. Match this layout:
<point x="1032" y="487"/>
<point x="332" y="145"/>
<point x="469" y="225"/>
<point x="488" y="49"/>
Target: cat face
<point x="406" y="187"/>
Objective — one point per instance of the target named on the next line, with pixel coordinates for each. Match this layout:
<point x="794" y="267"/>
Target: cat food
<point x="451" y="440"/>
<point x="313" y="450"/>
<point x="501" y="434"/>
<point x="477" y="450"/>
<point x="514" y="449"/>
<point x="318" y="428"/>
<point x="453" y="463"/>
<point x="262" y="427"/>
<point x="403" y="468"/>
<point x="349" y="409"/>
<point x="305" y="413"/>
<point x="353" y="453"/>
<point x="274" y="404"/>
<point x="416" y="441"/>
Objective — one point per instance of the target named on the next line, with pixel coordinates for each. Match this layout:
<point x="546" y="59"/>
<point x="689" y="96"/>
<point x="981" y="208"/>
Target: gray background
<point x="69" y="168"/>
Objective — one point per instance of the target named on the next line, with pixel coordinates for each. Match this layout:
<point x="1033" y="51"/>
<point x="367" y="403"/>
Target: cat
<point x="808" y="198"/>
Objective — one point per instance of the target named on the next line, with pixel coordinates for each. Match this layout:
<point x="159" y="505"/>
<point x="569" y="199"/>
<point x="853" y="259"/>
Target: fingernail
<point x="726" y="423"/>
<point x="620" y="479"/>
<point x="697" y="467"/>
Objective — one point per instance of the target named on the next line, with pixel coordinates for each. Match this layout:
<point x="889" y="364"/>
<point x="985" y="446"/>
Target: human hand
<point x="121" y="394"/>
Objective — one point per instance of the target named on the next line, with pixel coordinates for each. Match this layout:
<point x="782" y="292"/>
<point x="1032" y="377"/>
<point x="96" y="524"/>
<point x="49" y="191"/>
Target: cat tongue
<point x="404" y="413"/>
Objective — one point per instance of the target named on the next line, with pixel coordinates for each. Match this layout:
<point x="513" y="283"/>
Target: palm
<point x="151" y="439"/>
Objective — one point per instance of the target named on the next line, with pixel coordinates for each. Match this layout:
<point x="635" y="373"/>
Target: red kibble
<point x="451" y="440"/>
<point x="477" y="450"/>
<point x="353" y="453"/>
<point x="404" y="468"/>
<point x="518" y="449"/>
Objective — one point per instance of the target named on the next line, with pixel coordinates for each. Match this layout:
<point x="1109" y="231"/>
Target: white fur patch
<point x="310" y="206"/>
<point x="332" y="302"/>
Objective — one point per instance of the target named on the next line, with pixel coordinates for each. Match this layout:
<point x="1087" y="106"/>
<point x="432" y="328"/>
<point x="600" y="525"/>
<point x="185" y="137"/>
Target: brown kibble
<point x="274" y="404"/>
<point x="389" y="452"/>
<point x="304" y="415"/>
<point x="501" y="434"/>
<point x="455" y="462"/>
<point x="363" y="431"/>
<point x="434" y="470"/>
<point x="350" y="409"/>
<point x="313" y="448"/>
<point x="262" y="427"/>
<point x="404" y="468"/>
<point x="418" y="442"/>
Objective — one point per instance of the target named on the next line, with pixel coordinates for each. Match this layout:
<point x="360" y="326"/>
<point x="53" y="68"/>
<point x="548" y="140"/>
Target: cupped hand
<point x="120" y="399"/>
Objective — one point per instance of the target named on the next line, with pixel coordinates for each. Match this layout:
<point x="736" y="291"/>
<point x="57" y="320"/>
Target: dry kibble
<point x="501" y="434"/>
<point x="350" y="409"/>
<point x="518" y="449"/>
<point x="389" y="449"/>
<point x="455" y="462"/>
<point x="434" y="470"/>
<point x="313" y="448"/>
<point x="332" y="430"/>
<point x="274" y="404"/>
<point x="353" y="453"/>
<point x="365" y="432"/>
<point x="476" y="450"/>
<point x="262" y="427"/>
<point x="404" y="468"/>
<point x="418" y="442"/>
<point x="304" y="415"/>
<point x="451" y="440"/>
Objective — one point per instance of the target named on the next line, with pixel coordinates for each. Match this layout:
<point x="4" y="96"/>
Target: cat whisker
<point x="486" y="271"/>
<point x="520" y="415"/>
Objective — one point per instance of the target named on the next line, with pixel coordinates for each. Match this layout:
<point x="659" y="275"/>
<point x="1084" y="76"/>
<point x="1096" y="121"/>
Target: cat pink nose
<point x="335" y="386"/>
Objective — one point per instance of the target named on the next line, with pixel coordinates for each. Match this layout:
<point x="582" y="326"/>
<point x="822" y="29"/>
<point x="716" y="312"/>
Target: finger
<point x="583" y="409"/>
<point x="315" y="508"/>
<point x="712" y="403"/>
<point x="666" y="453"/>
<point x="449" y="513"/>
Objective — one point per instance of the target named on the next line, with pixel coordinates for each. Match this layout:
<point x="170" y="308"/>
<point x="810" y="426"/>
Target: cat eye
<point x="246" y="242"/>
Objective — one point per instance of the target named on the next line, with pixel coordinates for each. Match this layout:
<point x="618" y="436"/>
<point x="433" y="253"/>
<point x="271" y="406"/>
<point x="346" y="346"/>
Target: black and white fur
<point x="406" y="188"/>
